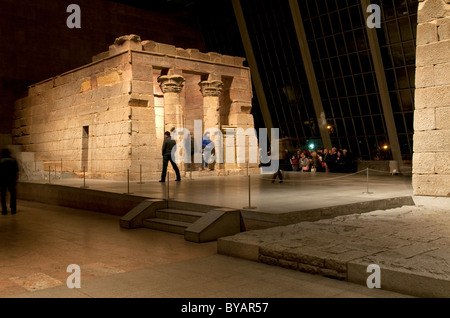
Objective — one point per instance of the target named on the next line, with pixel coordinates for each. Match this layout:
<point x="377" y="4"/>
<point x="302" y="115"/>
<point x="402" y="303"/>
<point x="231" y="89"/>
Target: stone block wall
<point x="109" y="117"/>
<point x="81" y="117"/>
<point x="431" y="160"/>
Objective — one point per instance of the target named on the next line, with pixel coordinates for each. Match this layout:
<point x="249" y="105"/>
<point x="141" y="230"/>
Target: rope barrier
<point x="388" y="172"/>
<point x="315" y="180"/>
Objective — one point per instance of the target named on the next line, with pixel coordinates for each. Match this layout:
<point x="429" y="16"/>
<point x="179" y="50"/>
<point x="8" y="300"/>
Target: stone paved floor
<point x="410" y="239"/>
<point x="299" y="191"/>
<point x="42" y="240"/>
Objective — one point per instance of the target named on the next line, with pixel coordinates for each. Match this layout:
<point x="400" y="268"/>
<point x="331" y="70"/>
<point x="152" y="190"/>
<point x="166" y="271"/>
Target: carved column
<point x="211" y="91"/>
<point x="171" y="87"/>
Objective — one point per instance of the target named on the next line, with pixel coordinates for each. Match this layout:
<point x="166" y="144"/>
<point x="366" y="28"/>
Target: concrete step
<point x="171" y="226"/>
<point x="179" y="215"/>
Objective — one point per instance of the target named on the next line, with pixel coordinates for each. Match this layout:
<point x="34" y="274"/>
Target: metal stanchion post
<point x="249" y="196"/>
<point x="84" y="178"/>
<point x="49" y="177"/>
<point x="168" y="187"/>
<point x="140" y="175"/>
<point x="128" y="181"/>
<point x="367" y="181"/>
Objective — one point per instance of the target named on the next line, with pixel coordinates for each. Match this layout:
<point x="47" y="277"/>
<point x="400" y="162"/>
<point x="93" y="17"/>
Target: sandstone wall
<point x="431" y="160"/>
<point x="50" y="121"/>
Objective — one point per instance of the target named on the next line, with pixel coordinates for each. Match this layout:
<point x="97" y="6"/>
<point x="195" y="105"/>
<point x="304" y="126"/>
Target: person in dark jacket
<point x="9" y="171"/>
<point x="167" y="147"/>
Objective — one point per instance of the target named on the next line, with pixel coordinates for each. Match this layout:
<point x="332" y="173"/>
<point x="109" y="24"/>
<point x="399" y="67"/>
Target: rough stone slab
<point x="409" y="243"/>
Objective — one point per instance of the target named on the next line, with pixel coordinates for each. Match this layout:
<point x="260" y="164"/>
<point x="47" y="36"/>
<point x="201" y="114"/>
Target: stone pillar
<point x="211" y="91"/>
<point x="171" y="86"/>
<point x="431" y="167"/>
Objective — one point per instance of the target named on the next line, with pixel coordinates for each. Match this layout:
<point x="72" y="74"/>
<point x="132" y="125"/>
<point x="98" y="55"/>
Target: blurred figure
<point x="295" y="163"/>
<point x="206" y="144"/>
<point x="9" y="171"/>
<point x="305" y="163"/>
<point x="278" y="172"/>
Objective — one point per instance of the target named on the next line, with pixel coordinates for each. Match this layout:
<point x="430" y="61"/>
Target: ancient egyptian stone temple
<point x="108" y="118"/>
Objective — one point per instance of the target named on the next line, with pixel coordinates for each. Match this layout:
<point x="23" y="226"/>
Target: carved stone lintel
<point x="211" y="88"/>
<point x="171" y="84"/>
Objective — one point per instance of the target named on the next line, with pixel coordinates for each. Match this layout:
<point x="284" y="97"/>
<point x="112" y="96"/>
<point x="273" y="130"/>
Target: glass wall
<point x="337" y="37"/>
<point x="280" y="64"/>
<point x="397" y="37"/>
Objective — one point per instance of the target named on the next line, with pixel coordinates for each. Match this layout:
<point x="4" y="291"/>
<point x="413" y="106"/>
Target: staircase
<point x="198" y="223"/>
<point x="173" y="220"/>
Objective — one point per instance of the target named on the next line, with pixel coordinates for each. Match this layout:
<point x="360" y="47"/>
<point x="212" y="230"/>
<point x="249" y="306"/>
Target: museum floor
<point x="42" y="240"/>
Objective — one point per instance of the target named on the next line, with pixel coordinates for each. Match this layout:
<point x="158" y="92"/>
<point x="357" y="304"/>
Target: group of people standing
<point x="322" y="160"/>
<point x="169" y="144"/>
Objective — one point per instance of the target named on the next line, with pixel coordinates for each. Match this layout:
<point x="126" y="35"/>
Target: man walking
<point x="167" y="147"/>
<point x="9" y="171"/>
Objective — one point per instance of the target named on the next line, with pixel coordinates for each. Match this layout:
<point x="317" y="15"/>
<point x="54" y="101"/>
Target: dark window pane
<point x="349" y="126"/>
<point x="360" y="40"/>
<point x="410" y="53"/>
<point x="394" y="35"/>
<point x="358" y="126"/>
<point x="322" y="89"/>
<point x="378" y="124"/>
<point x="345" y="65"/>
<point x="412" y="76"/>
<point x="312" y="8"/>
<point x="406" y="100"/>
<point x="365" y="61"/>
<point x="405" y="29"/>
<point x="340" y="42"/>
<point x="326" y="68"/>
<point x="359" y="83"/>
<point x="409" y="119"/>
<point x="397" y="55"/>
<point x="390" y="79"/>
<point x="322" y="48"/>
<point x="355" y="14"/>
<point x="331" y="46"/>
<point x="335" y="66"/>
<point x="395" y="102"/>
<point x="345" y="19"/>
<point x="386" y="56"/>
<point x="402" y="79"/>
<point x="317" y="28"/>
<point x="336" y="23"/>
<point x="339" y="127"/>
<point x="374" y="103"/>
<point x="349" y="86"/>
<point x="336" y="108"/>
<point x="354" y="61"/>
<point x="345" y="108"/>
<point x="398" y="118"/>
<point x="340" y="86"/>
<point x="364" y="105"/>
<point x="354" y="108"/>
<point x="313" y="51"/>
<point x="326" y="26"/>
<point x="370" y="83"/>
<point x="350" y="42"/>
<point x="331" y="89"/>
